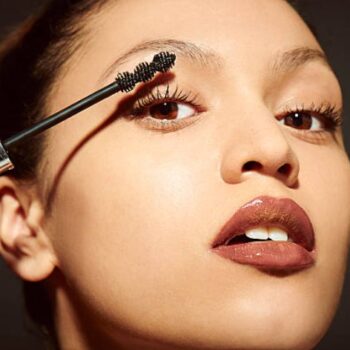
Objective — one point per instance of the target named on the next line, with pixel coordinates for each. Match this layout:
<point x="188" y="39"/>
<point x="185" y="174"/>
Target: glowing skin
<point x="135" y="210"/>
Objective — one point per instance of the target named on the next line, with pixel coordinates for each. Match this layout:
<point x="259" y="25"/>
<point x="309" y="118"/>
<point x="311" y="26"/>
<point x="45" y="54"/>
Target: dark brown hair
<point x="31" y="58"/>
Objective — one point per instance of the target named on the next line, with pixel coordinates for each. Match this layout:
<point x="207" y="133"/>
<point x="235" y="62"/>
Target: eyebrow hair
<point x="294" y="58"/>
<point x="282" y="63"/>
<point x="186" y="49"/>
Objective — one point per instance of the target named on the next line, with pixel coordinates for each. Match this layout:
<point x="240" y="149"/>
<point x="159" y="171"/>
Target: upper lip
<point x="268" y="211"/>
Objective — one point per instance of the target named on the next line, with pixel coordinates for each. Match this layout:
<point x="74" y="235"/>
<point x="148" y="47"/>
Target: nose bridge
<point x="264" y="134"/>
<point x="258" y="145"/>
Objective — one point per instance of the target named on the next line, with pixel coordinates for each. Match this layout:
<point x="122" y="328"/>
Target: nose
<point x="259" y="147"/>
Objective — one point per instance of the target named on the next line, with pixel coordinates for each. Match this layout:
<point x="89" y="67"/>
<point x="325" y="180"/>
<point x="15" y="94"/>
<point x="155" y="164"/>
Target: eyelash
<point x="329" y="115"/>
<point x="160" y="97"/>
<point x="140" y="108"/>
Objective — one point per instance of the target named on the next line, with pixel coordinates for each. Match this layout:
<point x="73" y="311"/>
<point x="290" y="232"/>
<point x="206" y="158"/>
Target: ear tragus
<point x="23" y="243"/>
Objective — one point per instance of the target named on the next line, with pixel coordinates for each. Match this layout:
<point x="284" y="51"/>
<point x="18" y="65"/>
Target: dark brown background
<point x="331" y="20"/>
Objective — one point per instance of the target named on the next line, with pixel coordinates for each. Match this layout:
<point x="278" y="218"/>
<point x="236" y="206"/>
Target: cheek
<point x="325" y="178"/>
<point x="133" y="230"/>
<point x="131" y="218"/>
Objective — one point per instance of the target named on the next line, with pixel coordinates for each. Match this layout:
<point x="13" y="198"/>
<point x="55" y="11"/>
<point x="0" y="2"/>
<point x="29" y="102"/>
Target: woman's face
<point x="137" y="203"/>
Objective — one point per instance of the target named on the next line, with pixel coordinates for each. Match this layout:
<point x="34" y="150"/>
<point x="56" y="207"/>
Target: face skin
<point x="135" y="209"/>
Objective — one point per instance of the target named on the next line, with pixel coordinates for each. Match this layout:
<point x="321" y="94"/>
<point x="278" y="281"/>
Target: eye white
<point x="184" y="111"/>
<point x="317" y="122"/>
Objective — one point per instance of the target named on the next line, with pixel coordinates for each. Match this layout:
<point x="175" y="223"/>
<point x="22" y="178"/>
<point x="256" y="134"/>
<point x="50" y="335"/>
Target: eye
<point x="318" y="119"/>
<point x="171" y="110"/>
<point x="303" y="120"/>
<point x="166" y="111"/>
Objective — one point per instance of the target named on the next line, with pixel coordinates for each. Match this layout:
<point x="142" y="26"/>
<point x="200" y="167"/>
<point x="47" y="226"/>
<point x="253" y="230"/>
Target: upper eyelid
<point x="158" y="94"/>
<point x="323" y="108"/>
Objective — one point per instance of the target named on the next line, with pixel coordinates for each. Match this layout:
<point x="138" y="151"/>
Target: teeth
<point x="276" y="234"/>
<point x="258" y="233"/>
<point x="263" y="233"/>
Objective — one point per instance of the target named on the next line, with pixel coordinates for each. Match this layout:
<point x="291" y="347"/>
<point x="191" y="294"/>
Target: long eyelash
<point x="332" y="117"/>
<point x="158" y="96"/>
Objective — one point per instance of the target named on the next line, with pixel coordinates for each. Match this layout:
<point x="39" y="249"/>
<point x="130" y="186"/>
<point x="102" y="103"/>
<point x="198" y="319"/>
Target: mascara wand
<point x="124" y="82"/>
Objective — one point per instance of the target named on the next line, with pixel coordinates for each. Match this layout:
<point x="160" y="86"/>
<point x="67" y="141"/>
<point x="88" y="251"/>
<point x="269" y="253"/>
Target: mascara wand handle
<point x="5" y="161"/>
<point x="62" y="115"/>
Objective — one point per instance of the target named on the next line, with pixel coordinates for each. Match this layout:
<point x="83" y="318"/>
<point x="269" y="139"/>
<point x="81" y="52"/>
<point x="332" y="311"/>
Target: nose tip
<point x="270" y="156"/>
<point x="284" y="172"/>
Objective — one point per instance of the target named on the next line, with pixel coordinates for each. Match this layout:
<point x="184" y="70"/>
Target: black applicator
<point x="124" y="82"/>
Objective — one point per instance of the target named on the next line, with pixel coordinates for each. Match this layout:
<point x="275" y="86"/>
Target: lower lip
<point x="275" y="256"/>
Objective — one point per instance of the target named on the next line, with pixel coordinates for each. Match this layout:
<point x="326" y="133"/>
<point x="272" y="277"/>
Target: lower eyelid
<point x="315" y="137"/>
<point x="167" y="126"/>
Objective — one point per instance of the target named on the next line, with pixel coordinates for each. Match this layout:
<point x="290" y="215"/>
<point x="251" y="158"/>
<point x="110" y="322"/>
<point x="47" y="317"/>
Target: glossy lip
<point x="265" y="211"/>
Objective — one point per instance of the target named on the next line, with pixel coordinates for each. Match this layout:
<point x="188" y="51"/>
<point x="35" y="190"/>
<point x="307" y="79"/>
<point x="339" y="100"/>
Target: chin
<point x="276" y="331"/>
<point x="266" y="336"/>
<point x="282" y="328"/>
<point x="255" y="325"/>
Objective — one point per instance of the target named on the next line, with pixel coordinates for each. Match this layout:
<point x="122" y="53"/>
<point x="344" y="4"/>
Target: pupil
<point x="164" y="110"/>
<point x="299" y="120"/>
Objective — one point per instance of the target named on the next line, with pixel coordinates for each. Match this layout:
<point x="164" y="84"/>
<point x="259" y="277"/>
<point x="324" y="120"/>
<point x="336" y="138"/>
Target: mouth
<point x="270" y="234"/>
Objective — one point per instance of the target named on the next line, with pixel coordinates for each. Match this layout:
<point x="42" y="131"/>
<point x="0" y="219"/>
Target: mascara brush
<point x="124" y="82"/>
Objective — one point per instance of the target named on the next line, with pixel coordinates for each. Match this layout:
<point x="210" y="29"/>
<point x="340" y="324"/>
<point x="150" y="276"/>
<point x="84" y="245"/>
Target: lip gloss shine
<point x="295" y="254"/>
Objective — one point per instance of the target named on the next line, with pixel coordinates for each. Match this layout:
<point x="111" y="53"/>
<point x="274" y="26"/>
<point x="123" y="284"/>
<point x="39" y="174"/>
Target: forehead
<point x="233" y="28"/>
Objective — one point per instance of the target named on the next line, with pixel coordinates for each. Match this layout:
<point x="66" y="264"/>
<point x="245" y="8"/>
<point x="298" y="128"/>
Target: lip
<point x="265" y="211"/>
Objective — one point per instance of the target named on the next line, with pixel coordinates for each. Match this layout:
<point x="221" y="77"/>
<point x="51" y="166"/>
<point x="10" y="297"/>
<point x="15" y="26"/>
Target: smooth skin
<point x="125" y="244"/>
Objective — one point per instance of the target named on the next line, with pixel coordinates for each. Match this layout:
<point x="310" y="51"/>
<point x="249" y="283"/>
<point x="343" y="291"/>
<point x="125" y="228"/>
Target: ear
<point x="23" y="243"/>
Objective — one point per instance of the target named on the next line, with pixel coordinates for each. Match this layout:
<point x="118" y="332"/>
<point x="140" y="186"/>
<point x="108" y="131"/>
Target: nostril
<point x="252" y="165"/>
<point x="285" y="169"/>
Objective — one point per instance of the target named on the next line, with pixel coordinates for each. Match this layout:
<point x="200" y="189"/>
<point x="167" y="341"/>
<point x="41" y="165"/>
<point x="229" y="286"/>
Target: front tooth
<point x="276" y="234"/>
<point x="257" y="233"/>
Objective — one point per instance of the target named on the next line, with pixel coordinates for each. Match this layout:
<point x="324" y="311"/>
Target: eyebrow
<point x="294" y="58"/>
<point x="283" y="62"/>
<point x="193" y="52"/>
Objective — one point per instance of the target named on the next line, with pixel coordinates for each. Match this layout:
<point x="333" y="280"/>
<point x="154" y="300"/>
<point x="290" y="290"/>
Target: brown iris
<point x="165" y="110"/>
<point x="299" y="120"/>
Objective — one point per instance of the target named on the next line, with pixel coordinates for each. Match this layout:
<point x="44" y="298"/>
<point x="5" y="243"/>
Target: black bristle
<point x="164" y="61"/>
<point x="144" y="72"/>
<point x="126" y="81"/>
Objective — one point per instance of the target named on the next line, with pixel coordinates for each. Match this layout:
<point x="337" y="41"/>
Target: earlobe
<point x="23" y="243"/>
